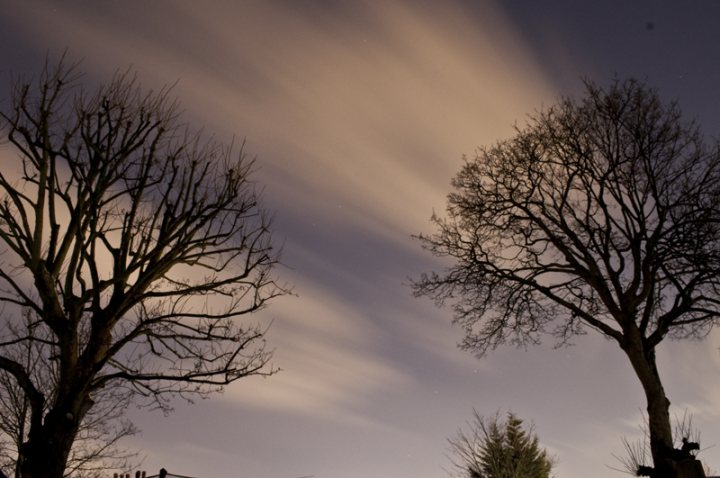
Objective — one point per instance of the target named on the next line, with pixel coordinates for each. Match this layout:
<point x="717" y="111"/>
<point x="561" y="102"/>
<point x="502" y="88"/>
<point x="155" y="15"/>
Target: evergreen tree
<point x="493" y="448"/>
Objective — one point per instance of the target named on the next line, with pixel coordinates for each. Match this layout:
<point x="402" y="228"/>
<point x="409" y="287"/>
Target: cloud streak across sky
<point x="359" y="113"/>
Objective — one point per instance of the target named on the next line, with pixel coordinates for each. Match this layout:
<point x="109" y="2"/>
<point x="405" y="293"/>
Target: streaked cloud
<point x="359" y="113"/>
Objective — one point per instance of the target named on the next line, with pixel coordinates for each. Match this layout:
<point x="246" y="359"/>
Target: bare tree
<point x="135" y="246"/>
<point x="602" y="214"/>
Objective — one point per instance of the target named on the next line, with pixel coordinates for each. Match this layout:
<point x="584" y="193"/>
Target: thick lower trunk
<point x="45" y="453"/>
<point x="661" y="440"/>
<point x="42" y="460"/>
<point x="658" y="410"/>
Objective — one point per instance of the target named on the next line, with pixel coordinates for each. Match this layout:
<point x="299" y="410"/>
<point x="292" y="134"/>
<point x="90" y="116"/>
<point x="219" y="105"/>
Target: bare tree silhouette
<point x="600" y="214"/>
<point x="134" y="246"/>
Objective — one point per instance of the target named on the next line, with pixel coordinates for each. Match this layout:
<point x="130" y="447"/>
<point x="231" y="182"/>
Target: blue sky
<point x="359" y="114"/>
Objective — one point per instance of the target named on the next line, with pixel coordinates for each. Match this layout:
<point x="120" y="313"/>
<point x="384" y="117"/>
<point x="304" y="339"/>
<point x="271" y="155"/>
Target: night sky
<point x="359" y="113"/>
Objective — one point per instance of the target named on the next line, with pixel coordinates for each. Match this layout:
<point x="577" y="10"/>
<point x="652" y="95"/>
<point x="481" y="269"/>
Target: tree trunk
<point x="45" y="453"/>
<point x="658" y="408"/>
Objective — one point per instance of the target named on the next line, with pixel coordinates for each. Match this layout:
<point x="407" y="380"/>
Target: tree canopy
<point x="600" y="213"/>
<point x="132" y="245"/>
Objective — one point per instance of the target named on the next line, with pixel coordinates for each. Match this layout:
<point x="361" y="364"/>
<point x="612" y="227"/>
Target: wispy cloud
<point x="359" y="114"/>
